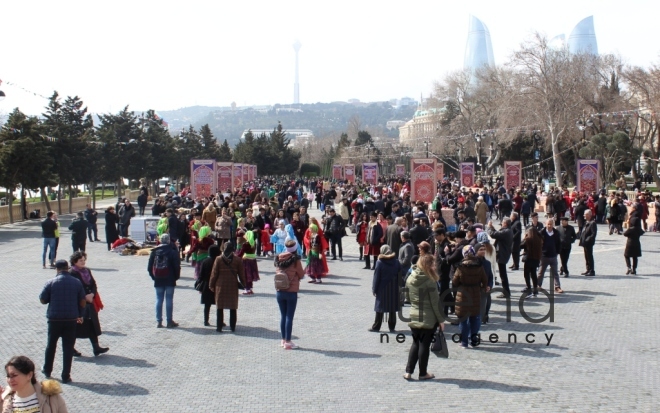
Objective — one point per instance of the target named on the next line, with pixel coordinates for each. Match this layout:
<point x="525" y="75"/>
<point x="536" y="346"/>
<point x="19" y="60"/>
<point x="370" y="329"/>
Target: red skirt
<point x="372" y="249"/>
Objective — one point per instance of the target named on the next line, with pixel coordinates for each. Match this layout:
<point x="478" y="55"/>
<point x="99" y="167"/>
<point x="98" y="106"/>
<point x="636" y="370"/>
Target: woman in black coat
<point x="385" y="288"/>
<point x="91" y="326"/>
<point x="207" y="296"/>
<point x="633" y="246"/>
<point x="111" y="220"/>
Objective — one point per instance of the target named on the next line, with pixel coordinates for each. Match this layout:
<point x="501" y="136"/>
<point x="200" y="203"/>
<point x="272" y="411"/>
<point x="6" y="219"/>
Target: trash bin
<point x="53" y="196"/>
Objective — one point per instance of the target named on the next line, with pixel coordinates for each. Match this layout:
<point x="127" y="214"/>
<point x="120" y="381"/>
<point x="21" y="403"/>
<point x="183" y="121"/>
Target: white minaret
<point x="296" y="85"/>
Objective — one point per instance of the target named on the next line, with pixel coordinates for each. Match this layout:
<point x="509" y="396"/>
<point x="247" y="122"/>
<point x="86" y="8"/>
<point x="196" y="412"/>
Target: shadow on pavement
<point x="258" y="332"/>
<point x="115" y="360"/>
<point x="334" y="283"/>
<point x="114" y="333"/>
<point x="105" y="270"/>
<point x="486" y="385"/>
<point x="342" y="354"/>
<point x="319" y="292"/>
<point x="117" y="389"/>
<point x="520" y="349"/>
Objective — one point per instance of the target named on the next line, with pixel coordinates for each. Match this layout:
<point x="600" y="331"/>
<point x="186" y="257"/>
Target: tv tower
<point x="296" y="85"/>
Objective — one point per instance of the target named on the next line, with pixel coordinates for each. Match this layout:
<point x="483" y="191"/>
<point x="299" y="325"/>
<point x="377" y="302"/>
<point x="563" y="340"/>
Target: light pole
<point x="582" y="125"/>
<point x="478" y="137"/>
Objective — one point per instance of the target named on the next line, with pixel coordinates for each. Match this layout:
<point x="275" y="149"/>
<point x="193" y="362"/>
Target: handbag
<point x="200" y="285"/>
<point x="439" y="346"/>
<point x="523" y="257"/>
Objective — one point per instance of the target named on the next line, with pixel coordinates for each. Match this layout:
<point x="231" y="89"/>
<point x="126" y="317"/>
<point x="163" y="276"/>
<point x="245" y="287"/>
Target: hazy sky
<point x="171" y="54"/>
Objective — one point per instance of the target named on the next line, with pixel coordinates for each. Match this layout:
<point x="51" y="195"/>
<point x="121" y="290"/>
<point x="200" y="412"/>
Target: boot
<point x="367" y="262"/>
<point x="218" y="322"/>
<point x="375" y="261"/>
<point x="360" y="249"/>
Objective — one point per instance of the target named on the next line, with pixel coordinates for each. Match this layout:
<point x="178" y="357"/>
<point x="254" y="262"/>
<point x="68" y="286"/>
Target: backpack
<point x="281" y="281"/>
<point x="161" y="268"/>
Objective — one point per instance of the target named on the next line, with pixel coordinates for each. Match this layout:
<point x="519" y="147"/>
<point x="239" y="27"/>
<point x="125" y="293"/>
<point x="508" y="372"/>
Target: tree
<point x="24" y="157"/>
<point x="210" y="143"/>
<point x="244" y="150"/>
<point x="224" y="154"/>
<point x="363" y="137"/>
<point x="616" y="153"/>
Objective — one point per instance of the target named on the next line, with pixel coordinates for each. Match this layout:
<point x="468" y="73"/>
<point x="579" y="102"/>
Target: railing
<point x="77" y="204"/>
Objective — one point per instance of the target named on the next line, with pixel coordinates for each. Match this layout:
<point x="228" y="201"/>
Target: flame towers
<point x="296" y="85"/>
<point x="479" y="50"/>
<point x="583" y="37"/>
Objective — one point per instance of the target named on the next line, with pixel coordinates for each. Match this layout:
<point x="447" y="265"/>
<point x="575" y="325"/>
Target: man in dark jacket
<point x="164" y="279"/>
<point x="90" y="216"/>
<point x="503" y="244"/>
<point x="142" y="201"/>
<point x="78" y="229"/>
<point x="551" y="248"/>
<point x="173" y="225"/>
<point x="567" y="236"/>
<point x="587" y="241"/>
<point x="334" y="229"/>
<point x="393" y="235"/>
<point x="48" y="228"/>
<point x="418" y="233"/>
<point x="516" y="228"/>
<point x="442" y="268"/>
<point x="505" y="207"/>
<point x="406" y="252"/>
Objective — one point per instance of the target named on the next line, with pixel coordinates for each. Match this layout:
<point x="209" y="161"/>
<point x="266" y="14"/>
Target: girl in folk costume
<point x="247" y="250"/>
<point x="194" y="227"/>
<point x="161" y="228"/>
<point x="278" y="238"/>
<point x="323" y="246"/>
<point x="315" y="258"/>
<point x="362" y="228"/>
<point x="201" y="249"/>
<point x="266" y="245"/>
<point x="291" y="235"/>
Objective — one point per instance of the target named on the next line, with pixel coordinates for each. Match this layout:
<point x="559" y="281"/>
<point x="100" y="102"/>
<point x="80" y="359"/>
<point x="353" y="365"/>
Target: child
<point x="315" y="266"/>
<point x="266" y="245"/>
<point x="247" y="251"/>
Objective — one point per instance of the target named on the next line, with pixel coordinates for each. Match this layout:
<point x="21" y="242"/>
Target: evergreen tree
<point x="363" y="138"/>
<point x="224" y="153"/>
<point x="210" y="143"/>
<point x="244" y="150"/>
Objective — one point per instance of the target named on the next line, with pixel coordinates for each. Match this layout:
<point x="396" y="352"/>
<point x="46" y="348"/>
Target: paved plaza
<point x="603" y="354"/>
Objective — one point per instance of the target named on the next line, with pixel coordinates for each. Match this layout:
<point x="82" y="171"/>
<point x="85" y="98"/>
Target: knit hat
<point x="468" y="251"/>
<point x="482" y="238"/>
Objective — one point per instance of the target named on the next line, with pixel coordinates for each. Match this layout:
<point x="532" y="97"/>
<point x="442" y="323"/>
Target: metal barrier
<point x="77" y="204"/>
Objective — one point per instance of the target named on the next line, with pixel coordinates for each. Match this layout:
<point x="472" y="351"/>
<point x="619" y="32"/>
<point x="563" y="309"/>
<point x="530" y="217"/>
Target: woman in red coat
<point x="362" y="227"/>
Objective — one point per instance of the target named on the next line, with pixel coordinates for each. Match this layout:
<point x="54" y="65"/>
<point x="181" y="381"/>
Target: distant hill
<point x="322" y="118"/>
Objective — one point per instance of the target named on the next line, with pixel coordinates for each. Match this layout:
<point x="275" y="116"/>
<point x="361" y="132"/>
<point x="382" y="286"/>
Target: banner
<point x="337" y="172"/>
<point x="349" y="173"/>
<point x="467" y="174"/>
<point x="423" y="180"/>
<point x="249" y="170"/>
<point x="238" y="175"/>
<point x="588" y="176"/>
<point x="254" y="167"/>
<point x="225" y="176"/>
<point x="370" y="173"/>
<point x="400" y="170"/>
<point x="246" y="173"/>
<point x="512" y="175"/>
<point x="439" y="171"/>
<point x="202" y="177"/>
<point x="253" y="172"/>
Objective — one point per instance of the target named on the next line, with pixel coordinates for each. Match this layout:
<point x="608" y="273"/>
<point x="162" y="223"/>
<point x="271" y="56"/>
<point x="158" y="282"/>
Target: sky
<point x="165" y="55"/>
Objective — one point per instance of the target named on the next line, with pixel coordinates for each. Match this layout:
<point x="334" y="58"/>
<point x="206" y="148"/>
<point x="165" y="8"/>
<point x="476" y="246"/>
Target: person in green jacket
<point x="425" y="314"/>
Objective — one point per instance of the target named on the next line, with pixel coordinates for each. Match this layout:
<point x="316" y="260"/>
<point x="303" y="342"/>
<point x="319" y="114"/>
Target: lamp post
<point x="478" y="137"/>
<point x="582" y="125"/>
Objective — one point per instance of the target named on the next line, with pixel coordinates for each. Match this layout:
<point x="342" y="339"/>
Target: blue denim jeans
<point x="166" y="293"/>
<point x="469" y="329"/>
<point x="287" y="302"/>
<point x="49" y="243"/>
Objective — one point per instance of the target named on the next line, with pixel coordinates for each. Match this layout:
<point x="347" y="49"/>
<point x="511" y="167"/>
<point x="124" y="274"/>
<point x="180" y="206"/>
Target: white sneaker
<point x="290" y="346"/>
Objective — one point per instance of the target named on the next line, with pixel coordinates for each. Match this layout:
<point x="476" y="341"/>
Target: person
<point x="516" y="228"/>
<point x="227" y="276"/>
<point x="481" y="210"/>
<point x="633" y="246"/>
<point x="503" y="244"/>
<point x="223" y="227"/>
<point x="288" y="263"/>
<point x="334" y="230"/>
<point x="533" y="246"/>
<point x="91" y="216"/>
<point x="406" y="253"/>
<point x="279" y="237"/>
<point x="442" y="248"/>
<point x="142" y="201"/>
<point x="111" y="220"/>
<point x="549" y="252"/>
<point x="393" y="235"/>
<point x="470" y="280"/>
<point x="26" y="394"/>
<point x="210" y="214"/>
<point x="313" y="244"/>
<point x="206" y="296"/>
<point x="65" y="297"/>
<point x="126" y="212"/>
<point x="535" y="222"/>
<point x="57" y="235"/>
<point x="247" y="251"/>
<point x="587" y="242"/>
<point x="48" y="228"/>
<point x="385" y="287"/>
<point x="374" y="241"/>
<point x="614" y="216"/>
<point x="200" y="248"/>
<point x="91" y="325"/>
<point x="486" y="254"/>
<point x="361" y="233"/>
<point x="78" y="228"/>
<point x="425" y="315"/>
<point x="164" y="268"/>
<point x="568" y="236"/>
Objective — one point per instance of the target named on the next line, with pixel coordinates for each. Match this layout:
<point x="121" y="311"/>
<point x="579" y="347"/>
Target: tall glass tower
<point x="479" y="50"/>
<point x="583" y="37"/>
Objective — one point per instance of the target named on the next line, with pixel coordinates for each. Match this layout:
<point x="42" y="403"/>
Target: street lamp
<point x="583" y="125"/>
<point x="479" y="164"/>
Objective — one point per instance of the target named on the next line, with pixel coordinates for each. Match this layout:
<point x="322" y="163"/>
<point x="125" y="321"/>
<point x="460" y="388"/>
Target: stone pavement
<point x="603" y="354"/>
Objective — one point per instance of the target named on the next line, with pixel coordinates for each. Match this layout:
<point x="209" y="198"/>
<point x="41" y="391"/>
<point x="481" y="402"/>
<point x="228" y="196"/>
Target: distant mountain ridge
<point x="322" y="118"/>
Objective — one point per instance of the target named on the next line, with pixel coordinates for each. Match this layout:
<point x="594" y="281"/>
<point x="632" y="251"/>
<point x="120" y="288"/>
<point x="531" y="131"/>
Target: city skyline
<point x="395" y="52"/>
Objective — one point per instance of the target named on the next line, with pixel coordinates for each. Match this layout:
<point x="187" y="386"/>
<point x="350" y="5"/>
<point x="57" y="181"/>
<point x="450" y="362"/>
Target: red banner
<point x="439" y="171"/>
<point x="349" y="173"/>
<point x="423" y="180"/>
<point x="246" y="173"/>
<point x="467" y="174"/>
<point x="225" y="176"/>
<point x="337" y="172"/>
<point x="202" y="177"/>
<point x="512" y="174"/>
<point x="588" y="176"/>
<point x="250" y="173"/>
<point x="400" y="170"/>
<point x="238" y="175"/>
<point x="370" y="173"/>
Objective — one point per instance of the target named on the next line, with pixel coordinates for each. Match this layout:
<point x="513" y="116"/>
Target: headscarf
<point x="468" y="251"/>
<point x="290" y="235"/>
<point x="482" y="238"/>
<point x="249" y="237"/>
<point x="314" y="228"/>
<point x="385" y="250"/>
<point x="228" y="252"/>
<point x="204" y="232"/>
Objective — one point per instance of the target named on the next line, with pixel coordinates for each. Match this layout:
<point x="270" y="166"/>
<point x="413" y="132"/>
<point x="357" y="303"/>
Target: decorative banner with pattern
<point x="512" y="174"/>
<point x="370" y="173"/>
<point x="422" y="179"/>
<point x="202" y="177"/>
<point x="253" y="172"/>
<point x="349" y="173"/>
<point x="439" y="171"/>
<point x="246" y="173"/>
<point x="400" y="170"/>
<point x="225" y="176"/>
<point x="238" y="175"/>
<point x="588" y="175"/>
<point x="249" y="171"/>
<point x="467" y="174"/>
<point x="337" y="172"/>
